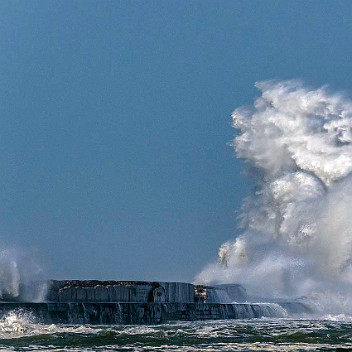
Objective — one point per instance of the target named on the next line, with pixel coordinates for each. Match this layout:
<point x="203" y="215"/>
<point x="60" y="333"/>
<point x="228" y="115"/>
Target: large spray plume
<point x="21" y="277"/>
<point x="296" y="227"/>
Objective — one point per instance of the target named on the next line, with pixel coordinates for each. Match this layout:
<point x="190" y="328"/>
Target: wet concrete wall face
<point x="178" y="292"/>
<point x="146" y="313"/>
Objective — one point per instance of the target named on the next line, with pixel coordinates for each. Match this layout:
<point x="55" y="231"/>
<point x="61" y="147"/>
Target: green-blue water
<point x="19" y="332"/>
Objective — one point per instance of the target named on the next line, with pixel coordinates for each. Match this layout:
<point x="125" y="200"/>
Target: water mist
<point x="295" y="232"/>
<point x="21" y="277"/>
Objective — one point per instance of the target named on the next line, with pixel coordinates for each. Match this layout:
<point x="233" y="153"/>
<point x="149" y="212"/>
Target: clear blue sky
<point x="115" y="119"/>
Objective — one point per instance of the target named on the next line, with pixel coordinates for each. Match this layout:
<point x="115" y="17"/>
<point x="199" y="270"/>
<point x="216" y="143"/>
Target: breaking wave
<point x="296" y="228"/>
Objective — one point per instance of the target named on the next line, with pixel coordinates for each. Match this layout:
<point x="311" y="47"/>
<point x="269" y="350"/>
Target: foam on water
<point x="239" y="335"/>
<point x="20" y="323"/>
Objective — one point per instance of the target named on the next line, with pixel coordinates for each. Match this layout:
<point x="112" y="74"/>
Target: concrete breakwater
<point x="119" y="291"/>
<point x="141" y="291"/>
<point x="139" y="302"/>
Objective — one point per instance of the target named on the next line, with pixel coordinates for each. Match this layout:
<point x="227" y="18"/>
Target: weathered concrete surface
<point x="146" y="313"/>
<point x="119" y="291"/>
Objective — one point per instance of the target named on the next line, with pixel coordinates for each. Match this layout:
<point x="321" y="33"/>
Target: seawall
<point x="142" y="302"/>
<point x="119" y="291"/>
<point x="141" y="291"/>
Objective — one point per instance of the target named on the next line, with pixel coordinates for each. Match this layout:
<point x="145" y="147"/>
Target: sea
<point x="20" y="332"/>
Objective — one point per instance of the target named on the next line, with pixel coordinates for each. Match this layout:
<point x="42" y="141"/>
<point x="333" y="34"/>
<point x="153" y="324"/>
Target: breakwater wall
<point x="141" y="291"/>
<point x="119" y="291"/>
<point x="142" y="302"/>
<point x="148" y="313"/>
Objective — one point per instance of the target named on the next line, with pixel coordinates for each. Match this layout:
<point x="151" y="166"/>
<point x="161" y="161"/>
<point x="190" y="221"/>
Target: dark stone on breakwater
<point x="145" y="313"/>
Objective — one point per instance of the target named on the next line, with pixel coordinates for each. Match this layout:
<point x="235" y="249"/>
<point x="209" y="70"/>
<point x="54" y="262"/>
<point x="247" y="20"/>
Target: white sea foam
<point x="296" y="228"/>
<point x="233" y="335"/>
<point x="20" y="323"/>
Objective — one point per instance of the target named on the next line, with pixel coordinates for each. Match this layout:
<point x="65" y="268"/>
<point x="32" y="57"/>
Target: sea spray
<point x="295" y="233"/>
<point x="21" y="277"/>
<point x="9" y="274"/>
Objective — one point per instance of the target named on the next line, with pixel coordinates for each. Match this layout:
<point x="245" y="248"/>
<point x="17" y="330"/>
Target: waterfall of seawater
<point x="222" y="296"/>
<point x="145" y="313"/>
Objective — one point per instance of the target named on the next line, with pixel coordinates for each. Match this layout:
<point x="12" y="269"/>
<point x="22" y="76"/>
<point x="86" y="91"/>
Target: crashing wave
<point x="295" y="229"/>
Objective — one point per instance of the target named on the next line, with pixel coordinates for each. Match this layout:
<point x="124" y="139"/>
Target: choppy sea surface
<point x="20" y="332"/>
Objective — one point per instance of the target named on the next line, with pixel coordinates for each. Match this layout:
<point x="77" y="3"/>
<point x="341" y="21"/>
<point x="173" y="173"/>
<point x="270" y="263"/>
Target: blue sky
<point x="115" y="119"/>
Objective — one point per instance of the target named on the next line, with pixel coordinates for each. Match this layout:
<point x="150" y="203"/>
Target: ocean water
<point x="20" y="332"/>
